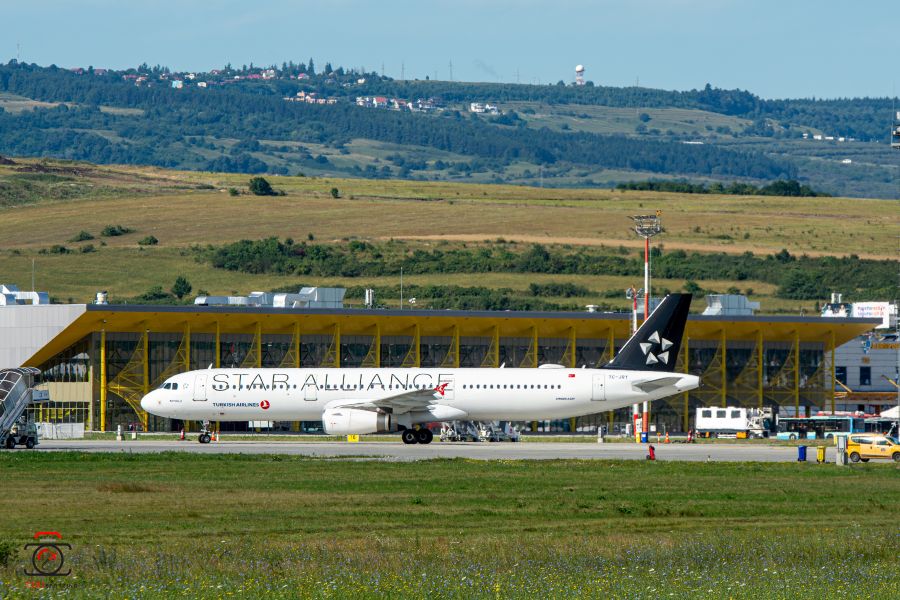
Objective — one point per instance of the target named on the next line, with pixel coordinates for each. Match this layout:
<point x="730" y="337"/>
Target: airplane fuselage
<point x="475" y="394"/>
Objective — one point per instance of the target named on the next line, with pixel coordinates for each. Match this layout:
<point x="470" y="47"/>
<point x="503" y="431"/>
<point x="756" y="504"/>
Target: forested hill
<point x="247" y="125"/>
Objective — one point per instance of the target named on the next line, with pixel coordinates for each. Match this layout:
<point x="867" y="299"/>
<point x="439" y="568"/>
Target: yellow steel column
<point x="534" y="343"/>
<point x="797" y="372"/>
<point x="102" y="380"/>
<point x="297" y="345"/>
<point x="145" y="417"/>
<point x="496" y="358"/>
<point x="218" y="353"/>
<point x="455" y="345"/>
<point x="418" y="346"/>
<point x="724" y="371"/>
<point x="377" y="342"/>
<point x="187" y="346"/>
<point x="760" y="366"/>
<point x="146" y="350"/>
<point x="686" y="417"/>
<point x="573" y="347"/>
<point x="295" y="426"/>
<point x="337" y="345"/>
<point x="258" y="345"/>
<point x="611" y="350"/>
<point x="831" y="385"/>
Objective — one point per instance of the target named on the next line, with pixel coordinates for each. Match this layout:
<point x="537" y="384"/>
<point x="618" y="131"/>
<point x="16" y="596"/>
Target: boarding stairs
<point x="15" y="396"/>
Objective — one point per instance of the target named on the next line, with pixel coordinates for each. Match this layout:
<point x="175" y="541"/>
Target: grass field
<point x="181" y="209"/>
<point x="146" y="526"/>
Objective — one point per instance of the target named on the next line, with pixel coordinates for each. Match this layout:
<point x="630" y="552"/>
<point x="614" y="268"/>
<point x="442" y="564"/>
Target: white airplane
<point x="360" y="401"/>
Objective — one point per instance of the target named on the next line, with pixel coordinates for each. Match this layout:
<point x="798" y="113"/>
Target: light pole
<point x="647" y="226"/>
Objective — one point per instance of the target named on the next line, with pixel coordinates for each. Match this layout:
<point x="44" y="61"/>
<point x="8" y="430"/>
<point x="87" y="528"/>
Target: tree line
<point x="801" y="277"/>
<point x="790" y="187"/>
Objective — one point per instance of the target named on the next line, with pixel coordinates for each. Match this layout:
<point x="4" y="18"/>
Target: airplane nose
<point x="145" y="402"/>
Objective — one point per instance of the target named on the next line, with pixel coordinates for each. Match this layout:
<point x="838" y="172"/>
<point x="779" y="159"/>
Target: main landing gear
<point x="205" y="437"/>
<point x="416" y="436"/>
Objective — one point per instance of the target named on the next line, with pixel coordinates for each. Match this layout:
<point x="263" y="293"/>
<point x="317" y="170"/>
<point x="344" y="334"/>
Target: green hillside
<point x="543" y="135"/>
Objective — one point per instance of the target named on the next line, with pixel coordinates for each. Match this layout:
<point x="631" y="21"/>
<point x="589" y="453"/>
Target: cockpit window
<point x="173" y="386"/>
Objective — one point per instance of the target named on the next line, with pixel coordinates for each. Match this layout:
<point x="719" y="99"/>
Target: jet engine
<point x="348" y="421"/>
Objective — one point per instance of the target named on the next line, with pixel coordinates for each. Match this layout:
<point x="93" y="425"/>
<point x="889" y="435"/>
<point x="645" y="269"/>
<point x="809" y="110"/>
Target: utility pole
<point x="451" y="70"/>
<point x="402" y="71"/>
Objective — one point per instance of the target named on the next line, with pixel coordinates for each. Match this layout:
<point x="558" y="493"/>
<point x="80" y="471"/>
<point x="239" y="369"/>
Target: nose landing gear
<point x="205" y="437"/>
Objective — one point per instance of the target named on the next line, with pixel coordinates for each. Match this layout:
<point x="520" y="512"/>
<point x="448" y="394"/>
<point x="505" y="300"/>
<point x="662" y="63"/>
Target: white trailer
<point x="734" y="421"/>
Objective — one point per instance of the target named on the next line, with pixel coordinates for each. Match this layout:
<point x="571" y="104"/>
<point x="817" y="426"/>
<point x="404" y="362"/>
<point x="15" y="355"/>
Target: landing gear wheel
<point x="204" y="438"/>
<point x="424" y="436"/>
<point x="11" y="443"/>
<point x="409" y="436"/>
<point x="854" y="457"/>
<point x="29" y="443"/>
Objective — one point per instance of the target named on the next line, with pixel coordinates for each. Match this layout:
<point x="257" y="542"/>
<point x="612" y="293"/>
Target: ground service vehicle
<point x="865" y="446"/>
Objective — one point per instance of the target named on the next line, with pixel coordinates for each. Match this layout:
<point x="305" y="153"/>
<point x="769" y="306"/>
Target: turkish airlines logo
<point x="659" y="345"/>
<point x="441" y="388"/>
<point x="264" y="405"/>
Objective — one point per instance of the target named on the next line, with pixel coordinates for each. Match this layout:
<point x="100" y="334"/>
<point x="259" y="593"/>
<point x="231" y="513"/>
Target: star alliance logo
<point x="663" y="351"/>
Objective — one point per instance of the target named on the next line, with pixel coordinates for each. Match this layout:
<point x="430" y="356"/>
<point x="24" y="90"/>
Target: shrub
<point x="335" y="193"/>
<point x="81" y="236"/>
<point x="260" y="187"/>
<point x="7" y="551"/>
<point x="181" y="287"/>
<point x="88" y="248"/>
<point x="234" y="191"/>
<point x="148" y="241"/>
<point x="115" y="230"/>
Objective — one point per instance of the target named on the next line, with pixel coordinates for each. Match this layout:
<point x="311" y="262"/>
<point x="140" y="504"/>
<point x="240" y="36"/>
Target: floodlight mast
<point x="647" y="226"/>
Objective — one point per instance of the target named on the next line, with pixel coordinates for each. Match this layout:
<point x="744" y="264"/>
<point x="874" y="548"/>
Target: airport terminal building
<point x="98" y="360"/>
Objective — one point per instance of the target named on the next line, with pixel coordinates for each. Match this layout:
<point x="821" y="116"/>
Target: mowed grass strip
<point x="153" y="526"/>
<point x="233" y="495"/>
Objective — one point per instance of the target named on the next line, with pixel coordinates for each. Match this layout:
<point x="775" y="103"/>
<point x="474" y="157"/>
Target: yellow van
<point x="863" y="446"/>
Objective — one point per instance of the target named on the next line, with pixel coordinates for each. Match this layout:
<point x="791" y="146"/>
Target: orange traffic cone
<point x="667" y="437"/>
<point x="182" y="434"/>
<point x="215" y="436"/>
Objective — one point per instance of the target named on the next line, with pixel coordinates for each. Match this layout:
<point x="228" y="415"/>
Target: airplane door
<point x="200" y="387"/>
<point x="598" y="391"/>
<point x="310" y="393"/>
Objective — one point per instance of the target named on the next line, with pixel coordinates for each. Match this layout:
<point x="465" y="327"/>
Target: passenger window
<point x="735" y="414"/>
<point x="720" y="414"/>
<point x="707" y="414"/>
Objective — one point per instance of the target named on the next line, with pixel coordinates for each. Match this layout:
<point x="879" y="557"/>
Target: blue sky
<point x="777" y="49"/>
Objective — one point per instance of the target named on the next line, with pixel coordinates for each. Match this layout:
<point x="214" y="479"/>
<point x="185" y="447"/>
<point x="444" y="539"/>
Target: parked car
<point x="865" y="446"/>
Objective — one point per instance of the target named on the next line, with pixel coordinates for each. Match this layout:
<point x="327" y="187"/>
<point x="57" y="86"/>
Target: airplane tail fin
<point x="655" y="345"/>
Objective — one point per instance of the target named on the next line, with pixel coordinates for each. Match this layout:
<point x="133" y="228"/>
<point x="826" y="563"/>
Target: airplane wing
<point x="397" y="403"/>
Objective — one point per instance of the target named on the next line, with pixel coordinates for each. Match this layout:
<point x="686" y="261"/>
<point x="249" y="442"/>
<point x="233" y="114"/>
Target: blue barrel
<point x="801" y="453"/>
